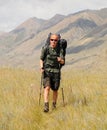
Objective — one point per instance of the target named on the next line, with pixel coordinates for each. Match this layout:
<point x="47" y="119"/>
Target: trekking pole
<point x="40" y="89"/>
<point x="63" y="96"/>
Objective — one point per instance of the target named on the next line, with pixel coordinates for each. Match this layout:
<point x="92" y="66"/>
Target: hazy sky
<point x="14" y="12"/>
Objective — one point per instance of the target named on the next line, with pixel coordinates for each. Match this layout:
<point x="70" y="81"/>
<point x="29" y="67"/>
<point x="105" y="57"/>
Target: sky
<point x="15" y="12"/>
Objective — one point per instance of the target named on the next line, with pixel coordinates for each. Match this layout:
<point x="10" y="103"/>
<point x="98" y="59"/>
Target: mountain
<point x="22" y="33"/>
<point x="91" y="50"/>
<point x="27" y="31"/>
<point x="51" y="22"/>
<point x="85" y="32"/>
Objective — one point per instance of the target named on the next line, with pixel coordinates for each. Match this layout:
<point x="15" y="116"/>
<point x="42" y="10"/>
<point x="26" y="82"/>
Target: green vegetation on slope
<point x="85" y="96"/>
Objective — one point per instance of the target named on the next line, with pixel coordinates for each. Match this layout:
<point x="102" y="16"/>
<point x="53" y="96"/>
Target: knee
<point x="47" y="88"/>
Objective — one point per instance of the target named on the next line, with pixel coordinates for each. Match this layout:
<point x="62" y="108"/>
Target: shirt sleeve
<point x="43" y="51"/>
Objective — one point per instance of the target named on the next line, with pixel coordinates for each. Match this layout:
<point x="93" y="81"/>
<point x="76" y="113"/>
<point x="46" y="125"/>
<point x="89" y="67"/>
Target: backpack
<point x="62" y="44"/>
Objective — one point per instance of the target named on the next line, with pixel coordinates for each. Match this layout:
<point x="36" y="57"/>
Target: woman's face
<point x="54" y="40"/>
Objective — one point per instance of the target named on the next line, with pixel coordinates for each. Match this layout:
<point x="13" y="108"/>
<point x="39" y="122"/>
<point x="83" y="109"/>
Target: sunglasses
<point x="55" y="40"/>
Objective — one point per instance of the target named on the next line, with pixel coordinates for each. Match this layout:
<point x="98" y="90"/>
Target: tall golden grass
<point x="85" y="98"/>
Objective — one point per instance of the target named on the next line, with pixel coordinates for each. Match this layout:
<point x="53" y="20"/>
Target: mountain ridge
<point x="22" y="45"/>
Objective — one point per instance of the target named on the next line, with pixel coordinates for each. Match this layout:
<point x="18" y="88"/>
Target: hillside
<point x="85" y="32"/>
<point x="91" y="50"/>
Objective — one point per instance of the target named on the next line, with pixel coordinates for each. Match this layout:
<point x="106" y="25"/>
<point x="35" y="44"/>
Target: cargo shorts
<point x="51" y="79"/>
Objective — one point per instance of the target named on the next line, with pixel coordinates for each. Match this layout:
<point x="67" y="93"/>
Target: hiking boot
<point x="46" y="107"/>
<point x="54" y="105"/>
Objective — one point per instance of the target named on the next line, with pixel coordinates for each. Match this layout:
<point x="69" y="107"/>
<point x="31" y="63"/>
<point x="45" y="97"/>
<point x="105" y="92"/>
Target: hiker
<point x="50" y="61"/>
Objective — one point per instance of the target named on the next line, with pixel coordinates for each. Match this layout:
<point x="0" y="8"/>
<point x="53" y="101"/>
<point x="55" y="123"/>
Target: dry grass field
<point x="85" y="98"/>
